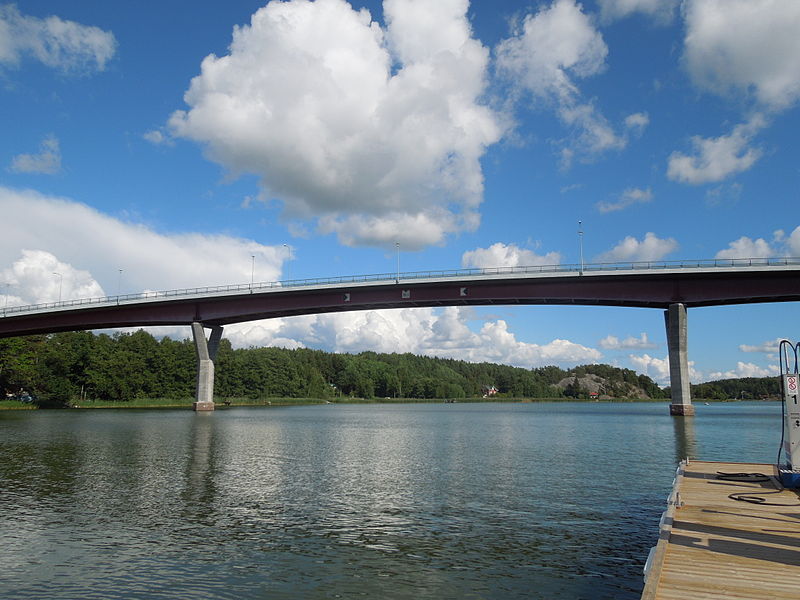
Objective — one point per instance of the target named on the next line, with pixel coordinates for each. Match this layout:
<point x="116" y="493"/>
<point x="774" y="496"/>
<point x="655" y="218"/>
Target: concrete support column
<point x="206" y="353"/>
<point x="675" y="321"/>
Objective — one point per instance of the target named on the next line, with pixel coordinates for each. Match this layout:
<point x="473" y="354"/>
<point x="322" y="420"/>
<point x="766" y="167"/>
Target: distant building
<point x="489" y="390"/>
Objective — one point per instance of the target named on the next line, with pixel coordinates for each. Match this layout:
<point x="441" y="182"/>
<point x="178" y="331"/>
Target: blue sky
<point x="164" y="145"/>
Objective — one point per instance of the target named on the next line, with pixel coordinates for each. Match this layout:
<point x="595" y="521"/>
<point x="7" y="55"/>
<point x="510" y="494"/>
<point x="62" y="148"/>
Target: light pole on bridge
<point x="397" y="248"/>
<point x="60" y="283"/>
<point x="252" y="269"/>
<point x="580" y="243"/>
<point x="5" y="304"/>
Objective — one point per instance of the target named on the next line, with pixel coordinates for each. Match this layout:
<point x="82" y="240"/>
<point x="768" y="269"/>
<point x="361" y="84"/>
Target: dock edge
<point x="655" y="559"/>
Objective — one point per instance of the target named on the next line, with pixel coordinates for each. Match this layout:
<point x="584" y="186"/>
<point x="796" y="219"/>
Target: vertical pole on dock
<point x="206" y="353"/>
<point x="675" y="321"/>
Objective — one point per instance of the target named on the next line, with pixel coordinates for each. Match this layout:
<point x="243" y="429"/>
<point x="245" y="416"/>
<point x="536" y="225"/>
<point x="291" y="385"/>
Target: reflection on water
<point x="409" y="501"/>
<point x="685" y="439"/>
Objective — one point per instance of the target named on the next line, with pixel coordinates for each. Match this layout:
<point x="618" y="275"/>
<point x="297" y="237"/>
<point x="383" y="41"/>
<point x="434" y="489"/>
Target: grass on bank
<point x="16" y="405"/>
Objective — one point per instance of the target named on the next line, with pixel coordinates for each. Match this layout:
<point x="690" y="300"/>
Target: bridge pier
<point x="675" y="321"/>
<point x="206" y="353"/>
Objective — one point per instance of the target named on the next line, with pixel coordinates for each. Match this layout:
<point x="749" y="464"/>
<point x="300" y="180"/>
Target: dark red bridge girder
<point x="651" y="289"/>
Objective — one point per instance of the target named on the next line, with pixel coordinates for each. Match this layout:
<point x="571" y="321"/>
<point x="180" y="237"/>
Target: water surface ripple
<point x="346" y="501"/>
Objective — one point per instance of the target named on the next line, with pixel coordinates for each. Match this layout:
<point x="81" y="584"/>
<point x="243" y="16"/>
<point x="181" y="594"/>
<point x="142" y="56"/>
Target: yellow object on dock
<point x="712" y="546"/>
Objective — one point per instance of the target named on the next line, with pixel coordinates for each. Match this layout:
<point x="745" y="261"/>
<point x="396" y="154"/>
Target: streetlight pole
<point x="119" y="283"/>
<point x="397" y="247"/>
<point x="60" y="282"/>
<point x="580" y="243"/>
<point x="252" y="269"/>
<point x="287" y="261"/>
<point x="5" y="305"/>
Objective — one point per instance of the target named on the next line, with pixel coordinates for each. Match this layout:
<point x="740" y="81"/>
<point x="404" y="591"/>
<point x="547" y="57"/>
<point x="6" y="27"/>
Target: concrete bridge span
<point x="673" y="287"/>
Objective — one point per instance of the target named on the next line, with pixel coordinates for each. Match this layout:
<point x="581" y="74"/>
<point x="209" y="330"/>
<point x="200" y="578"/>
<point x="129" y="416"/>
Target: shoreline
<point x="151" y="403"/>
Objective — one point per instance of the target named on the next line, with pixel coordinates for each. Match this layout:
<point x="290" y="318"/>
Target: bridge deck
<point x="716" y="547"/>
<point x="650" y="286"/>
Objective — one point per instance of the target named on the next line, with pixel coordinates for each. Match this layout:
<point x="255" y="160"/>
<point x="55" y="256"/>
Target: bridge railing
<point x="405" y="276"/>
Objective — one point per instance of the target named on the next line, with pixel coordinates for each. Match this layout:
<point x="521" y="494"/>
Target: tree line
<point x="745" y="388"/>
<point x="80" y="366"/>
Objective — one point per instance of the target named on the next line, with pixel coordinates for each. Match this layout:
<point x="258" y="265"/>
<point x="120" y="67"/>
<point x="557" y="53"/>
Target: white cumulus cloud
<point x="510" y="255"/>
<point x="662" y="11"/>
<point x="47" y="161"/>
<point x="365" y="127"/>
<point x="612" y="342"/>
<point x="631" y="250"/>
<point x="63" y="45"/>
<point x="768" y="347"/>
<point x="637" y="122"/>
<point x="38" y="277"/>
<point x="750" y="47"/>
<point x="658" y="368"/>
<point x="87" y="240"/>
<point x="552" y="49"/>
<point x="744" y="369"/>
<point x="425" y="331"/>
<point x="745" y="50"/>
<point x="715" y="159"/>
<point x="745" y="247"/>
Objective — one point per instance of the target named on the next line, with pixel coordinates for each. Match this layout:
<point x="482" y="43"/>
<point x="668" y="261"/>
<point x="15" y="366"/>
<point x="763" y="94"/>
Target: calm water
<point x="394" y="501"/>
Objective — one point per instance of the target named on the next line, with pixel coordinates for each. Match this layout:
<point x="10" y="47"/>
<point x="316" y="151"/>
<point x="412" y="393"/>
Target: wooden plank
<point x="713" y="546"/>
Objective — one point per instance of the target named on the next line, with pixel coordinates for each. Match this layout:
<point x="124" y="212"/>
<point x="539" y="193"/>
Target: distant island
<point x="136" y="369"/>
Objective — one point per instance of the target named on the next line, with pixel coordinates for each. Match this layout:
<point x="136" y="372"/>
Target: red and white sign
<point x="791" y="383"/>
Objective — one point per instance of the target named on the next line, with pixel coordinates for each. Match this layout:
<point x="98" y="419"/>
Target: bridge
<point x="672" y="286"/>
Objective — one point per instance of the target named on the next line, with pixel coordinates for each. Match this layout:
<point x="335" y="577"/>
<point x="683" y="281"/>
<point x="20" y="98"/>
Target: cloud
<point x="745" y="247"/>
<point x="47" y="162"/>
<point x="41" y="277"/>
<point x="552" y="49"/>
<point x="86" y="248"/>
<point x="637" y="122"/>
<point x="362" y="127"/>
<point x="768" y="347"/>
<point x="612" y="342"/>
<point x="746" y="49"/>
<point x="793" y="243"/>
<point x="158" y="137"/>
<point x="411" y="231"/>
<point x="425" y="331"/>
<point x="631" y="250"/>
<point x="715" y="159"/>
<point x="502" y="255"/>
<point x="554" y="46"/>
<point x="749" y="47"/>
<point x="628" y="198"/>
<point x="726" y="193"/>
<point x="658" y="368"/>
<point x="87" y="240"/>
<point x="744" y="369"/>
<point x="63" y="45"/>
<point x="662" y="11"/>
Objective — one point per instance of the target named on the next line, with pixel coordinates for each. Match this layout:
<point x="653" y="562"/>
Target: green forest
<point x="81" y="367"/>
<point x="745" y="388"/>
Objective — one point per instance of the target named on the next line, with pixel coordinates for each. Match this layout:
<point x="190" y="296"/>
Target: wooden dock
<point x="712" y="546"/>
